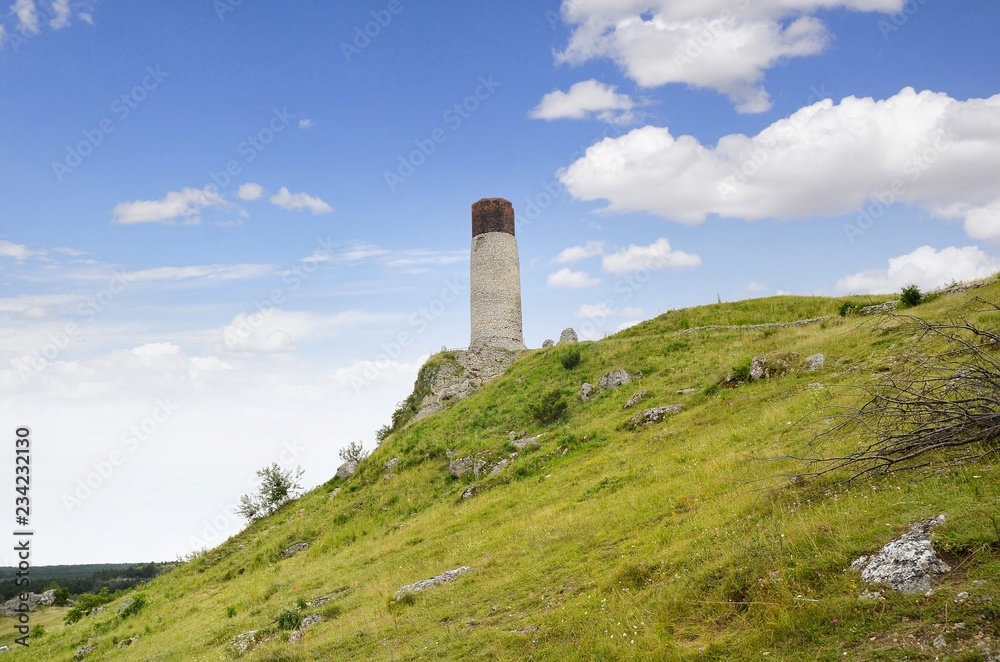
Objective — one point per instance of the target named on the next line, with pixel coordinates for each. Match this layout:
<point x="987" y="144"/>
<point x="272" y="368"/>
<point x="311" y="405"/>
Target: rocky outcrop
<point x="459" y="467"/>
<point x="295" y="549"/>
<point x="34" y="601"/>
<point x="815" y="362"/>
<point x="636" y="398"/>
<point x="586" y="390"/>
<point x="614" y="379"/>
<point x="765" y="367"/>
<point x="391" y="464"/>
<point x="568" y="336"/>
<point x="84" y="652"/>
<point x="548" y="343"/>
<point x="908" y="564"/>
<point x="298" y="634"/>
<point x="347" y="469"/>
<point x="244" y="642"/>
<point x="125" y="643"/>
<point x="654" y="415"/>
<point x="456" y="375"/>
<point x="443" y="578"/>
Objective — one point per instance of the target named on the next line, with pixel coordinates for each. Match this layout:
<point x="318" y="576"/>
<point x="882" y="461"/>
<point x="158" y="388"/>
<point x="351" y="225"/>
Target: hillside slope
<point x="679" y="540"/>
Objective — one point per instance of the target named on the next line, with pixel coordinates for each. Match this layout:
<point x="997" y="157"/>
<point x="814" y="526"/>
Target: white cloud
<point x="413" y="258"/>
<point x="250" y="191"/>
<point x="629" y="324"/>
<point x="756" y="287"/>
<point x="27" y="16"/>
<point x="206" y="272"/>
<point x="825" y="160"/>
<point x="305" y="124"/>
<point x="60" y="14"/>
<point x="185" y="205"/>
<point x="277" y="331"/>
<point x="723" y="45"/>
<point x="585" y="99"/>
<point x="577" y="253"/>
<point x="16" y="251"/>
<point x="570" y="279"/>
<point x="925" y="267"/>
<point x="654" y="257"/>
<point x="299" y="201"/>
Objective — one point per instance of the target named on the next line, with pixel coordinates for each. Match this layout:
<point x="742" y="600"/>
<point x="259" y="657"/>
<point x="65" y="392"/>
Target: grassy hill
<point x="678" y="541"/>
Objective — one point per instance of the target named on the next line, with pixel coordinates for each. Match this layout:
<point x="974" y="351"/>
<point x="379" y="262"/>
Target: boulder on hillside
<point x="815" y="362"/>
<point x="908" y="563"/>
<point x="654" y="415"/>
<point x="568" y="336"/>
<point x="459" y="467"/>
<point x="614" y="379"/>
<point x="767" y="367"/>
<point x="443" y="578"/>
<point x="347" y="469"/>
<point x="295" y="549"/>
<point x="548" y="343"/>
<point x="586" y="390"/>
<point x="391" y="464"/>
<point x="636" y="398"/>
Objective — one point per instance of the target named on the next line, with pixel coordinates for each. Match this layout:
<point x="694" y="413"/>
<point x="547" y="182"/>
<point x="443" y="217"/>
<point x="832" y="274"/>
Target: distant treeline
<point x="79" y="579"/>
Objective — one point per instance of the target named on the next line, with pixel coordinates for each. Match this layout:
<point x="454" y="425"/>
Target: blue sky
<point x="659" y="154"/>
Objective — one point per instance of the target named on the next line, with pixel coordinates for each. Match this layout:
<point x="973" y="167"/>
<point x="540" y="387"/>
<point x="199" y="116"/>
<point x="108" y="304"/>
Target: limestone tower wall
<point x="495" y="276"/>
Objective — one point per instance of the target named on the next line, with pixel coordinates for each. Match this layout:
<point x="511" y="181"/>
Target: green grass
<point x="680" y="541"/>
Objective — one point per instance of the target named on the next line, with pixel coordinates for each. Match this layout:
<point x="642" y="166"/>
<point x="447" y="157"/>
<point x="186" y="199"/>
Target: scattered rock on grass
<point x="84" y="652"/>
<point x="243" y="642"/>
<point x="347" y="469"/>
<point x="295" y="549"/>
<point x="815" y="362"/>
<point x="636" y="398"/>
<point x="586" y="390"/>
<point x="425" y="584"/>
<point x="548" y="343"/>
<point x="908" y="563"/>
<point x="568" y="336"/>
<point x="614" y="379"/>
<point x="653" y="415"/>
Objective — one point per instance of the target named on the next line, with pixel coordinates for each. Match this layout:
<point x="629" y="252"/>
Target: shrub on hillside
<point x="87" y="602"/>
<point x="289" y="620"/>
<point x="277" y="486"/>
<point x="570" y="358"/>
<point x="911" y="296"/>
<point x="353" y="452"/>
<point x="134" y="607"/>
<point x="550" y="408"/>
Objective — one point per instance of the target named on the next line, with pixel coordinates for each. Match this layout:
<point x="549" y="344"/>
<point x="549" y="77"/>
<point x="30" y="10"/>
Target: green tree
<point x="277" y="486"/>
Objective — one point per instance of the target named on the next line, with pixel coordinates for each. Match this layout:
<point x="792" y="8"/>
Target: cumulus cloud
<point x="827" y="159"/>
<point x="60" y="14"/>
<point x="16" y="251"/>
<point x="27" y="16"/>
<point x="588" y="98"/>
<point x="577" y="253"/>
<point x="183" y="206"/>
<point x="567" y="278"/>
<point x="305" y="124"/>
<point x="723" y="45"/>
<point x="200" y="272"/>
<point x="299" y="201"/>
<point x="250" y="191"/>
<point x="277" y="330"/>
<point x="658" y="255"/>
<point x="925" y="267"/>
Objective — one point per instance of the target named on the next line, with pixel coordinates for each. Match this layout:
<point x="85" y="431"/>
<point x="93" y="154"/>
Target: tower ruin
<point x="495" y="277"/>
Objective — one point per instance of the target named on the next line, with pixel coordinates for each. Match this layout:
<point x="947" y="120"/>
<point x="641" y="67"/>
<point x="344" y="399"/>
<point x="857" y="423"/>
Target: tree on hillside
<point x="942" y="406"/>
<point x="353" y="452"/>
<point x="277" y="486"/>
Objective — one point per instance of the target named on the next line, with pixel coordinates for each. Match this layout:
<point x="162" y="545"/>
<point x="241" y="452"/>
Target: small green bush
<point x="848" y="308"/>
<point x="570" y="358"/>
<point x="134" y="607"/>
<point x="230" y="611"/>
<point x="85" y="603"/>
<point x="911" y="296"/>
<point x="289" y="620"/>
<point x="550" y="408"/>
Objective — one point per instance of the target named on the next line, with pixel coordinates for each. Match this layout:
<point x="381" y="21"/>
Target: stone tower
<point x="495" y="276"/>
